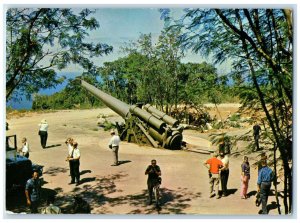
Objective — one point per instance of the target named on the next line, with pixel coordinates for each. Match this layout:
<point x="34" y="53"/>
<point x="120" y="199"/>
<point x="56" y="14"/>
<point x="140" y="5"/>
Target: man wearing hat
<point x="114" y="146"/>
<point x="43" y="132"/>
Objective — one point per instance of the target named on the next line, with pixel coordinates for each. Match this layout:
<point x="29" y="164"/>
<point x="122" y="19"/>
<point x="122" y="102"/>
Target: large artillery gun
<point x="145" y="125"/>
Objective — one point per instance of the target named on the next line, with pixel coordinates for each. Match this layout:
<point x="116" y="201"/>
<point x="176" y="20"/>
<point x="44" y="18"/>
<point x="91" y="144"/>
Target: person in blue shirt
<point x="265" y="178"/>
<point x="32" y="192"/>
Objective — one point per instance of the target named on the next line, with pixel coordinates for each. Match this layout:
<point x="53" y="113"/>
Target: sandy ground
<point x="122" y="189"/>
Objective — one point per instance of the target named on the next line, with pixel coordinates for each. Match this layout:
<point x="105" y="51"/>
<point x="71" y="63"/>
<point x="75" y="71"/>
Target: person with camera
<point x="154" y="180"/>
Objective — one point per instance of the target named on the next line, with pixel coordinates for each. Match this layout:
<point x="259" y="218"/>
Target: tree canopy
<point x="259" y="42"/>
<point x="41" y="41"/>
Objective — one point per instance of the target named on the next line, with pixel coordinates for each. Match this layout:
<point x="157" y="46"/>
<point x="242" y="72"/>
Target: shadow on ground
<point x="103" y="196"/>
<point x="87" y="179"/>
<point x="252" y="193"/>
<point x="53" y="171"/>
<point x="124" y="161"/>
<point x="85" y="171"/>
<point x="55" y="145"/>
<point x="272" y="206"/>
<point x="16" y="199"/>
<point x="231" y="191"/>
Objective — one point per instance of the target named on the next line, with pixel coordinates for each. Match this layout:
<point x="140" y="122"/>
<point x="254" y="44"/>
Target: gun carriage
<point x="143" y="124"/>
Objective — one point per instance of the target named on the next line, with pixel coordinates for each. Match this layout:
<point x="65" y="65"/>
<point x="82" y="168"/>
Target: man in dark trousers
<point x="256" y="130"/>
<point x="265" y="178"/>
<point x="32" y="192"/>
<point x="224" y="174"/>
<point x="43" y="132"/>
<point x="154" y="173"/>
<point x="114" y="144"/>
<point x="74" y="157"/>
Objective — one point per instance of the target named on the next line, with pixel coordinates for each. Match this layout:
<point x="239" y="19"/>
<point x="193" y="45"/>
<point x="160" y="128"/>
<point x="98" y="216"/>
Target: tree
<point x="43" y="40"/>
<point x="170" y="54"/>
<point x="72" y="96"/>
<point x="260" y="44"/>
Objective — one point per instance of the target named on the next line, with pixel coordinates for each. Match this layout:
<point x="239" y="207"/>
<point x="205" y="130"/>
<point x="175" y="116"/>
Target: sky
<point x="122" y="25"/>
<point x="119" y="26"/>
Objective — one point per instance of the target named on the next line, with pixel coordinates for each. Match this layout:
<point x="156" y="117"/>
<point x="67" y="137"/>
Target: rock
<point x="208" y="126"/>
<point x="101" y="121"/>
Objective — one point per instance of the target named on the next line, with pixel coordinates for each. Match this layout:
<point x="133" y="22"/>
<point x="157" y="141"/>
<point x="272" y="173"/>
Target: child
<point x="25" y="148"/>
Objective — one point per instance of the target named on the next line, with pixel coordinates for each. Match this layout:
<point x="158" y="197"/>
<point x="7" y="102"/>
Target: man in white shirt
<point x="43" y="132"/>
<point x="73" y="159"/>
<point x="114" y="146"/>
<point x="69" y="142"/>
<point x="224" y="174"/>
<point x="25" y="148"/>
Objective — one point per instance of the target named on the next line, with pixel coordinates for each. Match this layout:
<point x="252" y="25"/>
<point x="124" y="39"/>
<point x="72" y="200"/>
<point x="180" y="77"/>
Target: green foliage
<point x="73" y="96"/>
<point x="222" y="138"/>
<point x="235" y="117"/>
<point x="259" y="42"/>
<point x="108" y="126"/>
<point x="40" y="41"/>
<point x="154" y="74"/>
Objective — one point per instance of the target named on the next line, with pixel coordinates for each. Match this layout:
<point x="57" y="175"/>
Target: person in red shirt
<point x="214" y="165"/>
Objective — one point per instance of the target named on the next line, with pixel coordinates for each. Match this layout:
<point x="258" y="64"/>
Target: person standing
<point x="153" y="171"/>
<point x="43" y="132"/>
<point x="51" y="208"/>
<point x="224" y="174"/>
<point x="264" y="180"/>
<point x="25" y="148"/>
<point x="114" y="146"/>
<point x="245" y="177"/>
<point x="214" y="165"/>
<point x="69" y="142"/>
<point x="32" y="192"/>
<point x="74" y="163"/>
<point x="256" y="130"/>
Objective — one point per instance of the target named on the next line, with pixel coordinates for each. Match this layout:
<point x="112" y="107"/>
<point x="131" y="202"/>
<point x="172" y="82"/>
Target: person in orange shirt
<point x="213" y="165"/>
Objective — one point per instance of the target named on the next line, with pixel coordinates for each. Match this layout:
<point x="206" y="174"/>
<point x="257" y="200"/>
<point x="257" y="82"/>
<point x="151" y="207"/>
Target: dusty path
<point x="122" y="189"/>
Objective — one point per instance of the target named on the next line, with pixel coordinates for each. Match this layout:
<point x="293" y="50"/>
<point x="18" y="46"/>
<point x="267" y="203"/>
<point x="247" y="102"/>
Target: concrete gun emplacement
<point x="143" y="125"/>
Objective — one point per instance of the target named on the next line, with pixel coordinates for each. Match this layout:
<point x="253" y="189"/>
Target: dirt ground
<point x="122" y="189"/>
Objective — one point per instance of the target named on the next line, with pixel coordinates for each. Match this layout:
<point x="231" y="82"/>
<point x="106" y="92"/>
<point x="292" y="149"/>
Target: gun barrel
<point x="166" y="118"/>
<point x="147" y="117"/>
<point x="116" y="105"/>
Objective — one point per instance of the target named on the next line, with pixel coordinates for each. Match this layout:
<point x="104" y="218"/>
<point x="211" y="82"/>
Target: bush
<point x="108" y="126"/>
<point x="235" y="117"/>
